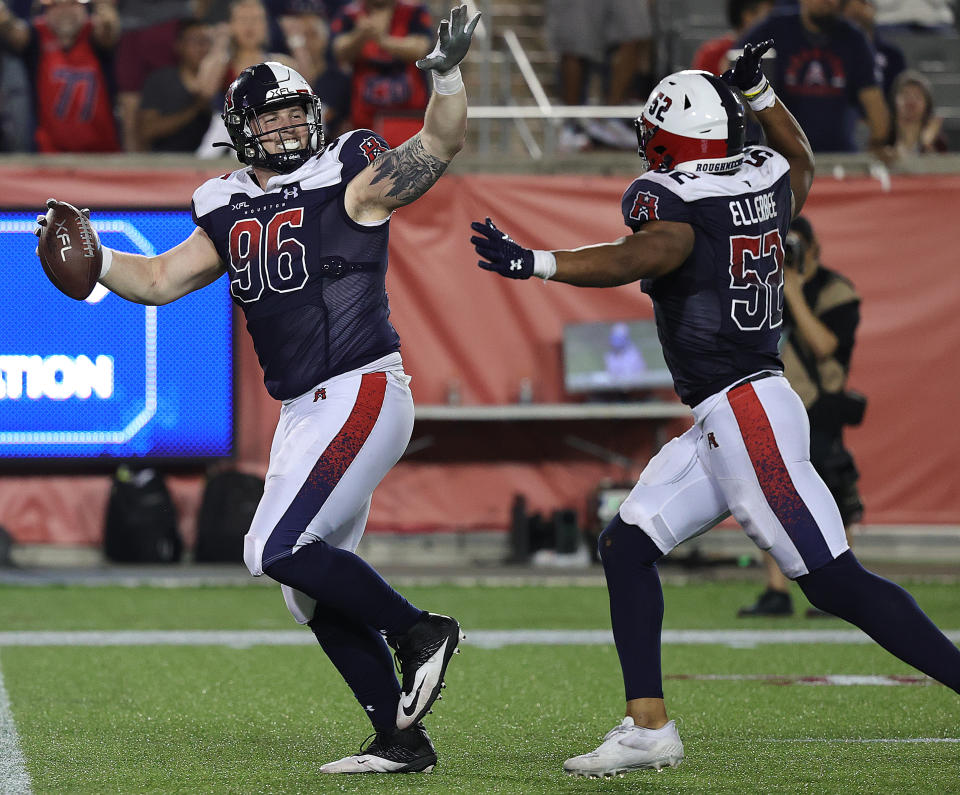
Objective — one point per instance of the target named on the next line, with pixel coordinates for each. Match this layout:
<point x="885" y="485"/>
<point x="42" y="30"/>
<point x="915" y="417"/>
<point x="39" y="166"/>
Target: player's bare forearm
<point x="645" y="255"/>
<point x="445" y="125"/>
<point x="786" y="136"/>
<point x="166" y="277"/>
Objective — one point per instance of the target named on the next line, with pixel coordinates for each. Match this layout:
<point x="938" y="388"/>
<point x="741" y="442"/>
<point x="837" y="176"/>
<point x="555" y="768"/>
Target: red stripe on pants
<point x="329" y="468"/>
<point x="775" y="481"/>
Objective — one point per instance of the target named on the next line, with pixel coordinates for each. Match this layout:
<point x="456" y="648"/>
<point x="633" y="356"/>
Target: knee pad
<point x="301" y="606"/>
<point x="627" y="543"/>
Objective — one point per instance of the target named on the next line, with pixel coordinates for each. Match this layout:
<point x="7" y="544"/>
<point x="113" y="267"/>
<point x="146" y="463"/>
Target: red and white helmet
<point x="694" y="121"/>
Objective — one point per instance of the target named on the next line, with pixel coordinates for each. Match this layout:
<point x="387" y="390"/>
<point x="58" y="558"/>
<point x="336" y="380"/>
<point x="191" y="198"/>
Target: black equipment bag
<point x="141" y="524"/>
<point x="230" y="500"/>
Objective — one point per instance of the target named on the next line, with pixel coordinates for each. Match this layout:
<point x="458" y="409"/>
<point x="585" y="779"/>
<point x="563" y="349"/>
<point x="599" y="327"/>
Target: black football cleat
<point x="393" y="751"/>
<point x="771" y="603"/>
<point x="422" y="655"/>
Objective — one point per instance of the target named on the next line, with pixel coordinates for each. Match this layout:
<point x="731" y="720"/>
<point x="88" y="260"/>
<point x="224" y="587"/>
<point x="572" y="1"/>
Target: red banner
<point x="467" y="328"/>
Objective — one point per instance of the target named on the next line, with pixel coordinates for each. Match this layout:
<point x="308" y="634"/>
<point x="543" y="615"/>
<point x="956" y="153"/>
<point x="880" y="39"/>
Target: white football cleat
<point x="396" y="751"/>
<point x="627" y="747"/>
<point x="422" y="656"/>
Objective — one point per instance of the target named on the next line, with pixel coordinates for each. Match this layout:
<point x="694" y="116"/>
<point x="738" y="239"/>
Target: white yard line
<point x="14" y="779"/>
<point x="861" y="740"/>
<point x="484" y="638"/>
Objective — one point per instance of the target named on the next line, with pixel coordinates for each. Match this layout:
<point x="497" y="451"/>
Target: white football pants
<point x="332" y="446"/>
<point x="748" y="453"/>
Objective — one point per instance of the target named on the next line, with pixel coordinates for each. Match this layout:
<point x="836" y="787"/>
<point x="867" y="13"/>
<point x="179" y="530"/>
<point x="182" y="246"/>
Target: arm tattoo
<point x="409" y="170"/>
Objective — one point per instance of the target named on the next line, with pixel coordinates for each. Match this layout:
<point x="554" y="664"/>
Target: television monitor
<point x="618" y="356"/>
<point x="105" y="379"/>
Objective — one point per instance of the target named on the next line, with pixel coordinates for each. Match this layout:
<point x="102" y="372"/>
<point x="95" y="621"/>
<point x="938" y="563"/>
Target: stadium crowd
<point x="150" y="75"/>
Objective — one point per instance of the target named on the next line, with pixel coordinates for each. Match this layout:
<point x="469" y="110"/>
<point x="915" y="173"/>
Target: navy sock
<point x="636" y="605"/>
<point x="361" y="656"/>
<point x="887" y="613"/>
<point x="342" y="581"/>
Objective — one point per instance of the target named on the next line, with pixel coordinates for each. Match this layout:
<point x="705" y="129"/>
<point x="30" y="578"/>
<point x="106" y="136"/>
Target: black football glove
<point x="500" y="252"/>
<point x="453" y="41"/>
<point x="746" y="74"/>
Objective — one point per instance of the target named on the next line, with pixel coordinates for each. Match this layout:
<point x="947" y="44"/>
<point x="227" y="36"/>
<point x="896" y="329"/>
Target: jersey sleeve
<point x="646" y="200"/>
<point x="359" y="150"/>
<point x="863" y="69"/>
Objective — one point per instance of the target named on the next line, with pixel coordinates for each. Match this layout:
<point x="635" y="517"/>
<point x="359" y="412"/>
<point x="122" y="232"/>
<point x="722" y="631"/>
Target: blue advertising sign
<point x="105" y="378"/>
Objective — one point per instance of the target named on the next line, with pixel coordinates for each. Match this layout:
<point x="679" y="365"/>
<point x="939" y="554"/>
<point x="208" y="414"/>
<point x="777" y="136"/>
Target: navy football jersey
<point x="310" y="280"/>
<point x="719" y="314"/>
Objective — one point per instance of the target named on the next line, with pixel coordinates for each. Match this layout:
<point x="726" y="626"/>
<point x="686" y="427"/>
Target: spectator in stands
<point x="889" y="58"/>
<point x="825" y="74"/>
<point x="68" y="53"/>
<point x="305" y="34"/>
<point x="380" y="41"/>
<point x="174" y="112"/>
<point x="16" y="105"/>
<point x="590" y="33"/>
<point x="916" y="127"/>
<point x="821" y="315"/>
<point x="148" y="43"/>
<point x="918" y="15"/>
<point x="743" y="15"/>
<point x="237" y="44"/>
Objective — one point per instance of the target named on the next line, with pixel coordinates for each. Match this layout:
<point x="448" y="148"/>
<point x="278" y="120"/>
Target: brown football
<point x="70" y="251"/>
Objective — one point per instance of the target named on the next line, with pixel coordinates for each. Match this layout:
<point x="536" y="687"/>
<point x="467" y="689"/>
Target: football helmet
<point x="258" y="89"/>
<point x="692" y="121"/>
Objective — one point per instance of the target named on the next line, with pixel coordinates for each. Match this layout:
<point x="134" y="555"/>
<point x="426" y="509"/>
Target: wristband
<point x="761" y="96"/>
<point x="106" y="261"/>
<point x="544" y="264"/>
<point x="449" y="82"/>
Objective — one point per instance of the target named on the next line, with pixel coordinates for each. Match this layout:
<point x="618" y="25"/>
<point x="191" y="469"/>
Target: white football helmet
<point x="694" y="121"/>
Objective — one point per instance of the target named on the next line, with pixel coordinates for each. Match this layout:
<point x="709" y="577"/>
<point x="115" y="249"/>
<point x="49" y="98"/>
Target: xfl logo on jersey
<point x="645" y="207"/>
<point x="372" y="148"/>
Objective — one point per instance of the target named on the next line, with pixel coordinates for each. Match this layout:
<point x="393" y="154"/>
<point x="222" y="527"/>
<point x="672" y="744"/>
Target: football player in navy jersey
<point x="708" y="227"/>
<point x="301" y="232"/>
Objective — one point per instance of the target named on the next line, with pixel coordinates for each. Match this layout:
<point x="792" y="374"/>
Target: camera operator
<point x="821" y="313"/>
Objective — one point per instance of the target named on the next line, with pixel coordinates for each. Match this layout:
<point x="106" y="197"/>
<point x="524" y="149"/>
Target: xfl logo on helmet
<point x="645" y="207"/>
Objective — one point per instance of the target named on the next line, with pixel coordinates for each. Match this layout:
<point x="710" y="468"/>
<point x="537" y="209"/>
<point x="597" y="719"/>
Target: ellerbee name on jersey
<point x="746" y="212"/>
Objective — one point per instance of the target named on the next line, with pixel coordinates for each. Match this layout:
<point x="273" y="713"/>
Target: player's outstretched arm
<point x="73" y="258"/>
<point x="165" y="277"/>
<point x="658" y="248"/>
<point x="402" y="175"/>
<point x="783" y="131"/>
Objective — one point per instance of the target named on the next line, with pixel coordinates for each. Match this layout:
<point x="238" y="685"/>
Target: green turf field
<point x="220" y="719"/>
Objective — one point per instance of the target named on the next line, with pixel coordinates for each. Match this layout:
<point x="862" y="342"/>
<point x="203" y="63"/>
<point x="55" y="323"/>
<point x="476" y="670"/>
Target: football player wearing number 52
<point x="301" y="232"/>
<point x="709" y="224"/>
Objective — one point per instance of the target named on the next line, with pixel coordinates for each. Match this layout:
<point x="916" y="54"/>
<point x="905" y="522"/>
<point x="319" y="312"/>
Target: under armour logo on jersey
<point x="645" y="207"/>
<point x="320" y="394"/>
<point x="516" y="264"/>
<point x="291" y="193"/>
<point x="712" y="440"/>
